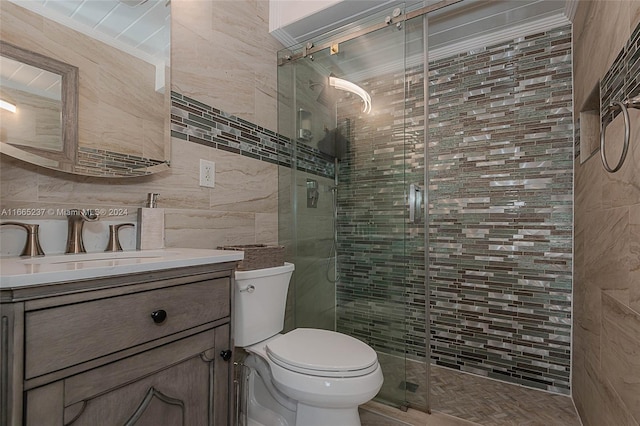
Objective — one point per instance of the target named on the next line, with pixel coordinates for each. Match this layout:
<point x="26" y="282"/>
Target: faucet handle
<point x="32" y="246"/>
<point x="114" y="240"/>
<point x="90" y="215"/>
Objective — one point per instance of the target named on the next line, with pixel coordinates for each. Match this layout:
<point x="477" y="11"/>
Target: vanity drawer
<point x="64" y="336"/>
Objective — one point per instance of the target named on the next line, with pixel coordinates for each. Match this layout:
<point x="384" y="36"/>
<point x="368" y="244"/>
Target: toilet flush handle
<point x="249" y="289"/>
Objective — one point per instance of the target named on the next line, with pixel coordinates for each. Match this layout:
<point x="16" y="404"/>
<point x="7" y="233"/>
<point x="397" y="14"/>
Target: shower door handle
<point x="415" y="203"/>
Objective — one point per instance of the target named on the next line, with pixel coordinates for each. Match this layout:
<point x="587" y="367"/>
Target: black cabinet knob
<point x="226" y="355"/>
<point x="159" y="316"/>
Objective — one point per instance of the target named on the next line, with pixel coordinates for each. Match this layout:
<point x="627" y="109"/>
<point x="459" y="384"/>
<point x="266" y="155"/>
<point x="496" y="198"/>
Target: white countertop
<point x="21" y="272"/>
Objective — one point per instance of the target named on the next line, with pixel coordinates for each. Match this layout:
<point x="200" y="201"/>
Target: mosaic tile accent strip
<point x="501" y="200"/>
<point x="622" y="80"/>
<point x="200" y="123"/>
<point x="99" y="162"/>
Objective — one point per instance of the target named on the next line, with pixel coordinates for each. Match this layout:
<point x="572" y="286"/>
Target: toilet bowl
<point x="307" y="376"/>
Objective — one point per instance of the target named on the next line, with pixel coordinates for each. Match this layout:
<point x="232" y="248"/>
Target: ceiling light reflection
<point x="341" y="84"/>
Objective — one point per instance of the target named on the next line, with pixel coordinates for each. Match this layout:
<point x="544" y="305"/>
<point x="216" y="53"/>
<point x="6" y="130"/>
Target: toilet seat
<point x="322" y="353"/>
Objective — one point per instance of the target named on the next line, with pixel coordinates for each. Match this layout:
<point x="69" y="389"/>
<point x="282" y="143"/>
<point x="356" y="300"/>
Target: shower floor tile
<point x="494" y="403"/>
<point x="460" y="399"/>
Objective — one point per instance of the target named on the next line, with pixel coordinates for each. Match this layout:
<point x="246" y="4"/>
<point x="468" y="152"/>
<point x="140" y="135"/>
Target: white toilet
<point x="307" y="377"/>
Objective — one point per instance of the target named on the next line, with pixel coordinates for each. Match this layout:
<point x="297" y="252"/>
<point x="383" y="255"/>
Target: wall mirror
<point x="86" y="89"/>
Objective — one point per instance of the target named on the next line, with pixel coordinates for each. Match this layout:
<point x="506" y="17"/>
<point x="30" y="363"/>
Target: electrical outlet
<point x="207" y="173"/>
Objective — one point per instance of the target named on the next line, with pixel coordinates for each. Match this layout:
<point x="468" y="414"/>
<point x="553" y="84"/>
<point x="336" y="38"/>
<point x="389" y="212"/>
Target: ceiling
<point x="134" y="26"/>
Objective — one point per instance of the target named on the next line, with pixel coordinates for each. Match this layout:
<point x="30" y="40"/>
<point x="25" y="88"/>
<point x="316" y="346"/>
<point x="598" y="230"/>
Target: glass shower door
<point x="354" y="168"/>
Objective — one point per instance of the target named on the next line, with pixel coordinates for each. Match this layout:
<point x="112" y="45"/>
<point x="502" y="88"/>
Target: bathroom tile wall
<point x="380" y="296"/>
<point x="500" y="214"/>
<point x="606" y="341"/>
<point x="197" y="122"/>
<point x="312" y="301"/>
<point x="501" y="178"/>
<point x="223" y="57"/>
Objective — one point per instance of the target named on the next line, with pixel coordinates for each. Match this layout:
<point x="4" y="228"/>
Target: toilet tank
<point x="260" y="300"/>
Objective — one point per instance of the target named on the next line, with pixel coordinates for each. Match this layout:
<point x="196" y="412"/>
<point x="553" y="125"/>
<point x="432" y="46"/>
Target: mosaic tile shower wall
<point x="501" y="176"/>
<point x="381" y="292"/>
<point x="500" y="170"/>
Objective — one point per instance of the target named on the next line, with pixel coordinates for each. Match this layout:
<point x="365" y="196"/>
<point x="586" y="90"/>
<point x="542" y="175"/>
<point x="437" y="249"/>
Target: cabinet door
<point x="171" y="385"/>
<point x="176" y="396"/>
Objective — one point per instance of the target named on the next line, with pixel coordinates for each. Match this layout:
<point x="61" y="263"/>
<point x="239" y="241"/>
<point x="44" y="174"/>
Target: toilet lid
<point x="322" y="353"/>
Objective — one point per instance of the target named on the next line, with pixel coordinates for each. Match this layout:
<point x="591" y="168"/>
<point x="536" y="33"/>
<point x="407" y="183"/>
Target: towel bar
<point x="623" y="106"/>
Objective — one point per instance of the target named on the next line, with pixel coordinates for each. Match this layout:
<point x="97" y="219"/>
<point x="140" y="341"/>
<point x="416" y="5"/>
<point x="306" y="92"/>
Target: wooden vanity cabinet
<point x="144" y="349"/>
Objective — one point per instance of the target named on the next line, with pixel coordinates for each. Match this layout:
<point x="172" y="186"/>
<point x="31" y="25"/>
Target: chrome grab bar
<point x="623" y="106"/>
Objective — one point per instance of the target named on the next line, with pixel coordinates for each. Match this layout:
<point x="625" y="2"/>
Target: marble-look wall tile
<point x="634" y="13"/>
<point x="18" y="181"/>
<point x="266" y="226"/>
<point x="594" y="53"/>
<point x="606" y="251"/>
<point x="634" y="271"/>
<point x="607" y="232"/>
<point x="208" y="229"/>
<point x="621" y="350"/>
<point x="225" y="57"/>
<point x="258" y="193"/>
<point x="590" y="392"/>
<point x="623" y="187"/>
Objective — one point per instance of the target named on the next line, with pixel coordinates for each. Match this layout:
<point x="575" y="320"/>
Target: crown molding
<point x="570" y="9"/>
<point x="493" y="37"/>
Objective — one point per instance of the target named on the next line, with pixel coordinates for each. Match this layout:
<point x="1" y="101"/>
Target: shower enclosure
<point x="431" y="220"/>
<point x="358" y="246"/>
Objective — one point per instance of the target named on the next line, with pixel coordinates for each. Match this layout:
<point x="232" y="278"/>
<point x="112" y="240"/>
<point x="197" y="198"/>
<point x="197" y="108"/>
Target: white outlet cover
<point x="207" y="173"/>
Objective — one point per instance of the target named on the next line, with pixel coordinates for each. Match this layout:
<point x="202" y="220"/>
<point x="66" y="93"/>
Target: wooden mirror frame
<point x="69" y="120"/>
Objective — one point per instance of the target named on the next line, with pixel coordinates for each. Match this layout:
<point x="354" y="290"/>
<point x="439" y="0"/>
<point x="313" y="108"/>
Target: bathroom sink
<point x="96" y="257"/>
<point x="20" y="272"/>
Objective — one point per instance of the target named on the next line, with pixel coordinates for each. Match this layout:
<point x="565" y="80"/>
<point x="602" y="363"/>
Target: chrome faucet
<point x="76" y="219"/>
